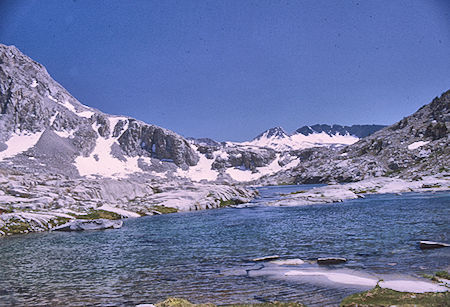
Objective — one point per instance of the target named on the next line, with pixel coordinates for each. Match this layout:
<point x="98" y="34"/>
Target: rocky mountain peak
<point x="359" y="131"/>
<point x="275" y="132"/>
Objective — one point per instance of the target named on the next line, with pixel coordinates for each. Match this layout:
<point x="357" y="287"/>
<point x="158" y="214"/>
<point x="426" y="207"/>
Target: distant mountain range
<point x="312" y="136"/>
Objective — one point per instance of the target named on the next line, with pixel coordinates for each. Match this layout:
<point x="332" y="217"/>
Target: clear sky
<point x="233" y="68"/>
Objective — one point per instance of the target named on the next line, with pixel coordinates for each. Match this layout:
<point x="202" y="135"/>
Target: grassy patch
<point x="164" y="209"/>
<point x="373" y="190"/>
<point x="293" y="193"/>
<point x="387" y="297"/>
<point x="230" y="202"/>
<point x="99" y="214"/>
<point x="179" y="302"/>
<point x="58" y="221"/>
<point x="271" y="304"/>
<point x="6" y="210"/>
<point x="15" y="227"/>
<point x="156" y="190"/>
<point x="430" y="186"/>
<point x="443" y="274"/>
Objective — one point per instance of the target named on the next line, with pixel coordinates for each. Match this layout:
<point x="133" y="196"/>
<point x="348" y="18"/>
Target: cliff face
<point x="33" y="104"/>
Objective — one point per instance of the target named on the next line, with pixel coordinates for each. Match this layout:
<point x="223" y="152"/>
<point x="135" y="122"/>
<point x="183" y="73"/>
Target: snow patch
<point x="418" y="144"/>
<point x="415" y="286"/>
<point x="341" y="278"/>
<point x="248" y="175"/>
<point x="85" y="114"/>
<point x="301" y="141"/>
<point x="350" y="278"/>
<point x="200" y="171"/>
<point x="52" y="119"/>
<point x="102" y="162"/>
<point x="65" y="133"/>
<point x="295" y="261"/>
<point x="19" y="143"/>
<point x="52" y="98"/>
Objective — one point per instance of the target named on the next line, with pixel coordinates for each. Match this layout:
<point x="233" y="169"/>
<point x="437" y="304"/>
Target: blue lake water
<point x="188" y="254"/>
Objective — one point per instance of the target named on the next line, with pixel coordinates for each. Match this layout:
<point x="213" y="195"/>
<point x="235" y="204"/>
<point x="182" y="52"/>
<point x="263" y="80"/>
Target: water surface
<point x="188" y="254"/>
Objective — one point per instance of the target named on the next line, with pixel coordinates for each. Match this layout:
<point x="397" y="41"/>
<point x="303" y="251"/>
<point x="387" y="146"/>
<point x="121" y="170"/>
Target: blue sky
<point x="231" y="69"/>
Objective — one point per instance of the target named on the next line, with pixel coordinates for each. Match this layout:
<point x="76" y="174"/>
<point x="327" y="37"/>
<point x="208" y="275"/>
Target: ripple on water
<point x="192" y="254"/>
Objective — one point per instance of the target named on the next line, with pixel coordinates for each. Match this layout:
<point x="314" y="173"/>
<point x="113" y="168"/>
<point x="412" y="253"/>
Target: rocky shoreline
<point x="30" y="204"/>
<point x="336" y="193"/>
<point x="35" y="203"/>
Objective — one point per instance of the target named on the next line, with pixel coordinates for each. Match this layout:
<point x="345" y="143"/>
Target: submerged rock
<point x="331" y="260"/>
<point x="99" y="224"/>
<point x="295" y="261"/>
<point x="431" y="245"/>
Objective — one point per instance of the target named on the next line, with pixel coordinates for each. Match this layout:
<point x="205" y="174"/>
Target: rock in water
<point x="266" y="258"/>
<point x="331" y="260"/>
<point x="431" y="245"/>
<point x="98" y="224"/>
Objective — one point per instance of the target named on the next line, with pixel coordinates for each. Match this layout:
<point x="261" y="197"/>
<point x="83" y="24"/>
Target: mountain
<point x="312" y="136"/>
<point x="41" y="123"/>
<point x="416" y="146"/>
<point x="359" y="131"/>
<point x="272" y="133"/>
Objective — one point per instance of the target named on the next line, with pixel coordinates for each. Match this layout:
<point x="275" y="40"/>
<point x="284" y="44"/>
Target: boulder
<point x="431" y="245"/>
<point x="97" y="224"/>
<point x="331" y="260"/>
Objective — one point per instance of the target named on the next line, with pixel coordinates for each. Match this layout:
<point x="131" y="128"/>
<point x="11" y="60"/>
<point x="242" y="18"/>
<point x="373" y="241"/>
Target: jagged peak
<point x="359" y="131"/>
<point x="275" y="132"/>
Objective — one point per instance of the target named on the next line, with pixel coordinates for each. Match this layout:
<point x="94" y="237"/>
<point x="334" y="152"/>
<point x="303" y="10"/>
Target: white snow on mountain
<point x="418" y="144"/>
<point x="247" y="175"/>
<point x="300" y="141"/>
<point x="101" y="161"/>
<point x="18" y="143"/>
<point x="201" y="171"/>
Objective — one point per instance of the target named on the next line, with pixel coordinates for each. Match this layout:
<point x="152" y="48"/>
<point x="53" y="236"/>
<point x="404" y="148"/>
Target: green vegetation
<point x="179" y="302"/>
<point x="58" y="221"/>
<point x="373" y="190"/>
<point x="293" y="193"/>
<point x="437" y="275"/>
<point x="430" y="186"/>
<point x="387" y="297"/>
<point x="15" y="226"/>
<point x="229" y="202"/>
<point x="164" y="209"/>
<point x="99" y="214"/>
<point x="6" y="210"/>
<point x="430" y="277"/>
<point x="271" y="304"/>
<point x="443" y="274"/>
<point x="156" y="190"/>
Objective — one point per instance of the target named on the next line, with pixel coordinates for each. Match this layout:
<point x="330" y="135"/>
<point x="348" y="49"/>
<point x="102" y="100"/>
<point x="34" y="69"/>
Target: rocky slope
<point x="40" y="120"/>
<point x="270" y="152"/>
